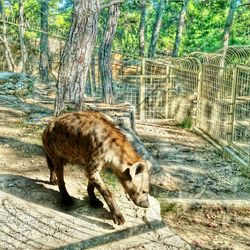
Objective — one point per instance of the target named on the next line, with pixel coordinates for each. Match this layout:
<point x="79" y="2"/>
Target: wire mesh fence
<point x="183" y="93"/>
<point x="10" y="49"/>
<point x="215" y="104"/>
<point x="194" y="89"/>
<point x="241" y="128"/>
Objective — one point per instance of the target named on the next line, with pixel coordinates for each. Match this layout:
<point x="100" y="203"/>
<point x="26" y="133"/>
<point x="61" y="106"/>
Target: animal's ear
<point x="137" y="168"/>
<point x="126" y="174"/>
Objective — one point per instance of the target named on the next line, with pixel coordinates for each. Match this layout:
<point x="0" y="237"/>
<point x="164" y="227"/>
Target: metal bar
<point x="144" y="76"/>
<point x="167" y="87"/>
<point x="142" y="93"/>
<point x="199" y="103"/>
<point x="233" y="106"/>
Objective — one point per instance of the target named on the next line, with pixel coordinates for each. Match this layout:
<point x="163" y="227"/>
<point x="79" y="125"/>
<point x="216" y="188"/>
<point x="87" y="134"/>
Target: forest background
<point x="203" y="26"/>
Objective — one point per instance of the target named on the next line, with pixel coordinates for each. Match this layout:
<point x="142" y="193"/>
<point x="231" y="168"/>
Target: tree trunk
<point x="3" y="38"/>
<point x="21" y="37"/>
<point x="180" y="28"/>
<point x="105" y="54"/>
<point x="142" y="29"/>
<point x="227" y="29"/>
<point x="93" y="73"/>
<point x="77" y="53"/>
<point x="44" y="63"/>
<point x="156" y="29"/>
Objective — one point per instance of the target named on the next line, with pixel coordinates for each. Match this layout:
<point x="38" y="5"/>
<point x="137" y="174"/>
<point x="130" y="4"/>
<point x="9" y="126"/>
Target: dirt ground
<point x="208" y="204"/>
<point x="31" y="213"/>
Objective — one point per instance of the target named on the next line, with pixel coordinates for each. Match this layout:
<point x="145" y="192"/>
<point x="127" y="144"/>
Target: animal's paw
<point x="53" y="181"/>
<point x="67" y="200"/>
<point x="118" y="218"/>
<point x="96" y="203"/>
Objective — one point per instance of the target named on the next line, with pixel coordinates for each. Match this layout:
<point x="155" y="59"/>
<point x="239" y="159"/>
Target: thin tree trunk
<point x="156" y="29"/>
<point x="21" y="37"/>
<point x="93" y="72"/>
<point x="142" y="29"/>
<point x="105" y="54"/>
<point x="3" y="39"/>
<point x="77" y="53"/>
<point x="44" y="63"/>
<point x="180" y="28"/>
<point x="227" y="29"/>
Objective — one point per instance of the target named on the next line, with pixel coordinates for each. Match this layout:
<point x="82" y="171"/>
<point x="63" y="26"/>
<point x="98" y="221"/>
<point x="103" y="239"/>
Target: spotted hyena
<point x="90" y="139"/>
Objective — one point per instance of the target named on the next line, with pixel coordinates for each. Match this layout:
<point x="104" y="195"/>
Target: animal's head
<point x="135" y="180"/>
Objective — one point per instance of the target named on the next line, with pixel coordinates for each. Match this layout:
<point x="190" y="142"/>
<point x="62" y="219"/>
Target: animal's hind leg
<point x="94" y="202"/>
<point x="52" y="179"/>
<point x="66" y="199"/>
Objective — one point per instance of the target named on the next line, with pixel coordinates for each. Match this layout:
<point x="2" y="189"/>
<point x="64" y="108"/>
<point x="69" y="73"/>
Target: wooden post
<point x="142" y="92"/>
<point x="233" y="107"/>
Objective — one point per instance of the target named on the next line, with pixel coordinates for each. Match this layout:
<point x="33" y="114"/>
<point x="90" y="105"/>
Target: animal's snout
<point x="144" y="204"/>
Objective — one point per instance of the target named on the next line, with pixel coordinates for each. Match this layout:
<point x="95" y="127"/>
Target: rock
<point x="153" y="213"/>
<point x="17" y="84"/>
<point x="136" y="142"/>
<point x="140" y="148"/>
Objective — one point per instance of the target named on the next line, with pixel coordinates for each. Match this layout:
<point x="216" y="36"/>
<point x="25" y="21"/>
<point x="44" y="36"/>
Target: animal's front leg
<point x="108" y="197"/>
<point x="94" y="202"/>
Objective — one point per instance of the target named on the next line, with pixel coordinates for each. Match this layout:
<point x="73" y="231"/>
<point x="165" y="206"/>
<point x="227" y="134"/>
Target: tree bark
<point x="3" y="38"/>
<point x="77" y="53"/>
<point x="156" y="29"/>
<point x="93" y="73"/>
<point x="21" y="37"/>
<point x="44" y="64"/>
<point x="142" y="29"/>
<point x="180" y="28"/>
<point x="227" y="29"/>
<point x="105" y="54"/>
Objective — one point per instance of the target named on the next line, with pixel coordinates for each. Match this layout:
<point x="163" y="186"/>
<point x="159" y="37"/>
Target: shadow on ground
<point x="23" y="148"/>
<point x="32" y="217"/>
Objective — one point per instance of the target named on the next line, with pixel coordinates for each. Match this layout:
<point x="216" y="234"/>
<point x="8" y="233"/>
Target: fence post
<point x="142" y="92"/>
<point x="233" y="107"/>
<point x="199" y="102"/>
<point x="167" y="89"/>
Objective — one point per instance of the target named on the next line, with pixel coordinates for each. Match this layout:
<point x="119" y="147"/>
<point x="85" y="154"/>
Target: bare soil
<point x="208" y="203"/>
<point x="31" y="213"/>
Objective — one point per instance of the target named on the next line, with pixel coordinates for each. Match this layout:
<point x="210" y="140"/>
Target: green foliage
<point x="245" y="171"/>
<point x="166" y="207"/>
<point x="110" y="179"/>
<point x="187" y="122"/>
<point x="203" y="29"/>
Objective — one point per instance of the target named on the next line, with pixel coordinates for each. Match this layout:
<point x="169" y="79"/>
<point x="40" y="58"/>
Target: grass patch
<point x="173" y="208"/>
<point x="187" y="123"/>
<point x="110" y="179"/>
<point x="245" y="171"/>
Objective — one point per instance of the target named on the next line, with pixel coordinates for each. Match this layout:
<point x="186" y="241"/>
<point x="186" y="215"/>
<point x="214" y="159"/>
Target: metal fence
<point x="187" y="90"/>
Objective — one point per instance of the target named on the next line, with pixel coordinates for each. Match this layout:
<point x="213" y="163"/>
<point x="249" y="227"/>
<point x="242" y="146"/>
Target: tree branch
<point x="111" y="3"/>
<point x="245" y="4"/>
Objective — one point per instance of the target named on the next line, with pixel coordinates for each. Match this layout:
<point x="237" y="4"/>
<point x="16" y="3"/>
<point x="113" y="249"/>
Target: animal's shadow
<point x="42" y="193"/>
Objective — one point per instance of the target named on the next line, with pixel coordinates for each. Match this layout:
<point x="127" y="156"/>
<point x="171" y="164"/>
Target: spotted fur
<point x="91" y="140"/>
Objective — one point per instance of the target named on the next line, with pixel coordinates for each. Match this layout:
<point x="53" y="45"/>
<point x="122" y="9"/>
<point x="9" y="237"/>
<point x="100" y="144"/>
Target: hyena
<point x="91" y="140"/>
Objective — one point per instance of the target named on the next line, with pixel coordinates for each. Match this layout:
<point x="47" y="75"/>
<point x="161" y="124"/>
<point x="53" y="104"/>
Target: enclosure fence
<point x="190" y="91"/>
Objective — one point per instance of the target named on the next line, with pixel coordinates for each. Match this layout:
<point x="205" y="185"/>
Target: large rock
<point x="17" y="84"/>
